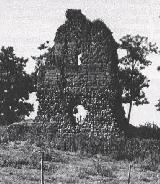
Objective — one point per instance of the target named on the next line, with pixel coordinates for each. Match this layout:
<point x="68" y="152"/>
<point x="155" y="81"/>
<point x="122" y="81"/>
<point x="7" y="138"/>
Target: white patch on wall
<point x="79" y="59"/>
<point x="33" y="100"/>
<point x="81" y="114"/>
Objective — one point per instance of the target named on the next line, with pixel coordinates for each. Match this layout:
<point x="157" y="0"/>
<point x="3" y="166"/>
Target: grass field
<point x="20" y="164"/>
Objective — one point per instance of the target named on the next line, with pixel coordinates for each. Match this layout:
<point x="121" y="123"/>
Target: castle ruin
<point x="83" y="71"/>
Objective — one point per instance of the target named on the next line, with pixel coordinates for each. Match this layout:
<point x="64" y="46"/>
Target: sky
<point x="26" y="24"/>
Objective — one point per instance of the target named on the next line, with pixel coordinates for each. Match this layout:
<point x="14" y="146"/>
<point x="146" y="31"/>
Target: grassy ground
<point x="20" y="164"/>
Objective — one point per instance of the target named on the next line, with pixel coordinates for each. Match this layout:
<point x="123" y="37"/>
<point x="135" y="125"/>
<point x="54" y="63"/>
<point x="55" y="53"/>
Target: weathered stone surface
<point x="92" y="82"/>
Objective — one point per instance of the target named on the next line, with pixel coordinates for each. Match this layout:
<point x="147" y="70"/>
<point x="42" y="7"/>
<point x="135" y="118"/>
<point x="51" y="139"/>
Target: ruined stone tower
<point x="84" y="71"/>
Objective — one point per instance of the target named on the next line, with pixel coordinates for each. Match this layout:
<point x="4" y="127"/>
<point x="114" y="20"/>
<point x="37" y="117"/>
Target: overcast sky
<point x="25" y="24"/>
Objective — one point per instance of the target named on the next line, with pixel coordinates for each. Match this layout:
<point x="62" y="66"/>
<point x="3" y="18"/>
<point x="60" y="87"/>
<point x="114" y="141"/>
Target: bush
<point x="48" y="136"/>
<point x="149" y="131"/>
<point x="149" y="164"/>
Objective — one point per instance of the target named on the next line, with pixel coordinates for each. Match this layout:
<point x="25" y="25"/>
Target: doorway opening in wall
<point x="80" y="113"/>
<point x="79" y="59"/>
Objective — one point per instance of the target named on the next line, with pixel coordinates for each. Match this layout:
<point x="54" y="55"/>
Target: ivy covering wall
<point x="82" y="69"/>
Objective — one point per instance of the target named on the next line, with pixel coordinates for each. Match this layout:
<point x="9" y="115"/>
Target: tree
<point x="15" y="87"/>
<point x="130" y="69"/>
<point x="158" y="104"/>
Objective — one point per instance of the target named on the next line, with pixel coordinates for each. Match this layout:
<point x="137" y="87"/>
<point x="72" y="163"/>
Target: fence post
<point x="129" y="173"/>
<point x="42" y="168"/>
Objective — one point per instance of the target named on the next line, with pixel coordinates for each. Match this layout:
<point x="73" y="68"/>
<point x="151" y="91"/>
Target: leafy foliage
<point x="15" y="87"/>
<point x="48" y="135"/>
<point x="131" y="65"/>
<point x="149" y="131"/>
<point x="158" y="105"/>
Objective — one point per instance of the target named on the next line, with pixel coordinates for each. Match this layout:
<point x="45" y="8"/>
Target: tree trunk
<point x="129" y="112"/>
<point x="42" y="168"/>
<point x="129" y="173"/>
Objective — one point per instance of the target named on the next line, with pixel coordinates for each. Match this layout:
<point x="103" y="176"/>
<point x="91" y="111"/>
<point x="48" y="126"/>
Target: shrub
<point x="119" y="148"/>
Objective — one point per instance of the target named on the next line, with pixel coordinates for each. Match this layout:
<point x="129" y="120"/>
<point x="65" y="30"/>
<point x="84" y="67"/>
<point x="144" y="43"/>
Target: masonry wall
<point x="85" y="73"/>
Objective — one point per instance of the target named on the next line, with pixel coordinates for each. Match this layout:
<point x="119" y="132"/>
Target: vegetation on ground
<point x="20" y="164"/>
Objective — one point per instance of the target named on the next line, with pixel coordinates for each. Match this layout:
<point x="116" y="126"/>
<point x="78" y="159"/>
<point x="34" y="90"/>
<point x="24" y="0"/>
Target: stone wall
<point x="85" y="73"/>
